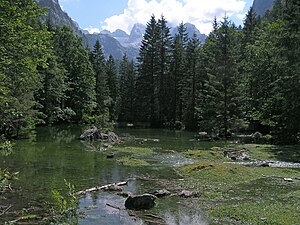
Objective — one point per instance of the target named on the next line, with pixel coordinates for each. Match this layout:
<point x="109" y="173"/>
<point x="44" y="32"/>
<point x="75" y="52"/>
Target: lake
<point x="56" y="154"/>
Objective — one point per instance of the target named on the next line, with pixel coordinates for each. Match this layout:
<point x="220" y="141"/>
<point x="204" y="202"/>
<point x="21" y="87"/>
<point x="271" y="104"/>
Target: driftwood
<point x="106" y="187"/>
<point x="5" y="210"/>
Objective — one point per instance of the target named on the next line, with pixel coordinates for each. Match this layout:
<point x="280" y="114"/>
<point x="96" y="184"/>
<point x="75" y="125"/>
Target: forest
<point x="241" y="80"/>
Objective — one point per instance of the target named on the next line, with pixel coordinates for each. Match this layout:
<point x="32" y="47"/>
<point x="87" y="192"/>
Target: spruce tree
<point x="112" y="84"/>
<point x="80" y="80"/>
<point x="148" y="75"/>
<point x="102" y="90"/>
<point x="190" y="83"/>
<point x="126" y="102"/>
<point x="178" y="71"/>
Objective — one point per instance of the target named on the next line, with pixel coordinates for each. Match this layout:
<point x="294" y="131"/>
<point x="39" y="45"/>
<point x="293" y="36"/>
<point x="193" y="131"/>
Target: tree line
<point x="242" y="79"/>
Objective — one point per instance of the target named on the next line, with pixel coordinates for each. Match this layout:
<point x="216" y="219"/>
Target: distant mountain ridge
<point x="115" y="43"/>
<point x="262" y="6"/>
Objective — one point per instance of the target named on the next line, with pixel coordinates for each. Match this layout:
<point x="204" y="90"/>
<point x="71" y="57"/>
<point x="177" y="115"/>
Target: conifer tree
<point x="190" y="84"/>
<point x="80" y="80"/>
<point x="177" y="71"/>
<point x="112" y="84"/>
<point x="148" y="75"/>
<point x="102" y="90"/>
<point x="126" y="110"/>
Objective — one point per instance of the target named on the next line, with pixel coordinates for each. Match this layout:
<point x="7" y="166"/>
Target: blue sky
<point x="96" y="15"/>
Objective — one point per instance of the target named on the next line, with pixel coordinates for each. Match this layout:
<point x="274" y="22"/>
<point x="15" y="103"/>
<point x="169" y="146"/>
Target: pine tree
<point x="222" y="110"/>
<point x="190" y="83"/>
<point x="112" y="84"/>
<point x="102" y="90"/>
<point x="148" y="75"/>
<point x="126" y="111"/>
<point x="164" y="60"/>
<point x="178" y="71"/>
<point x="80" y="80"/>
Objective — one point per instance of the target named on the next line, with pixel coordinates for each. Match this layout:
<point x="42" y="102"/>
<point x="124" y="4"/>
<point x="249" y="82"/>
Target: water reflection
<point x="185" y="216"/>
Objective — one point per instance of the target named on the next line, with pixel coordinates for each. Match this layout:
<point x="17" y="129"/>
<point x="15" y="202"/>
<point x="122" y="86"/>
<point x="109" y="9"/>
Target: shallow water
<point x="56" y="154"/>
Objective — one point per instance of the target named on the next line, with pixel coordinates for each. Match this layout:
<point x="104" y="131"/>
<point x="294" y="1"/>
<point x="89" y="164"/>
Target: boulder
<point x="140" y="202"/>
<point x="91" y="134"/>
<point x="112" y="137"/>
<point x="237" y="154"/>
<point x="94" y="133"/>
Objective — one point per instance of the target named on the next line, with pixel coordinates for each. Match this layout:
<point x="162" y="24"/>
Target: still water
<point x="56" y="153"/>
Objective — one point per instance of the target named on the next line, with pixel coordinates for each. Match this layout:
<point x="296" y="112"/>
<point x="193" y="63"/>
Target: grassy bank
<point x="237" y="194"/>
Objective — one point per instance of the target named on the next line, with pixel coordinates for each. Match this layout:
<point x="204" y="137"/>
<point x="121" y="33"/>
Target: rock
<point x="188" y="194"/>
<point x="112" y="137"/>
<point x="140" y="202"/>
<point x="237" y="154"/>
<point x="263" y="164"/>
<point x="95" y="134"/>
<point x="124" y="194"/>
<point x="91" y="134"/>
<point x="202" y="136"/>
<point x="161" y="193"/>
<point x="110" y="156"/>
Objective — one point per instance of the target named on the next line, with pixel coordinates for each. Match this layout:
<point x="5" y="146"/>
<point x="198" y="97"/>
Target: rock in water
<point x="91" y="134"/>
<point x="140" y="202"/>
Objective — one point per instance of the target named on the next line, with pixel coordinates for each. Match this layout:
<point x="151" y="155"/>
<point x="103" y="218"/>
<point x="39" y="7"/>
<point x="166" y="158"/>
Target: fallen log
<point x="106" y="187"/>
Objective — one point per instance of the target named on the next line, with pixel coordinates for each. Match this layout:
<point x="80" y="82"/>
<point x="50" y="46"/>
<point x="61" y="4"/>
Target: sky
<point x="97" y="15"/>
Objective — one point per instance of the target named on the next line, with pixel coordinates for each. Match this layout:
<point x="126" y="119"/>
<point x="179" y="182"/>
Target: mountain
<point x="111" y="46"/>
<point x="115" y="43"/>
<point x="137" y="34"/>
<point x="262" y="6"/>
<point x="191" y="29"/>
<point x="57" y="16"/>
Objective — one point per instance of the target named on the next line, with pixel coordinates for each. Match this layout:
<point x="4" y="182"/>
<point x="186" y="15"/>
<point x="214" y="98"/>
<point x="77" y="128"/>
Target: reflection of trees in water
<point x="62" y="135"/>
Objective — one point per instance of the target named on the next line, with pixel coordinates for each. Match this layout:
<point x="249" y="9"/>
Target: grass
<point x="128" y="161"/>
<point x="237" y="194"/>
<point x="205" y="155"/>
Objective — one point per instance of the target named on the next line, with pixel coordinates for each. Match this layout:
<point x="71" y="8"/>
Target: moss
<point x="257" y="212"/>
<point x="212" y="155"/>
<point x="127" y="161"/>
<point x="237" y="194"/>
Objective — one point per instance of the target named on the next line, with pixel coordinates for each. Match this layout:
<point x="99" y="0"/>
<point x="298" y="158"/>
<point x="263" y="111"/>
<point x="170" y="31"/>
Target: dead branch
<point x="104" y="187"/>
<point x="5" y="210"/>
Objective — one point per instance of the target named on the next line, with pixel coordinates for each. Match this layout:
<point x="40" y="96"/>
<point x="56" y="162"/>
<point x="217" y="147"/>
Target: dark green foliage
<point x="178" y="73"/>
<point x="126" y="101"/>
<point x="147" y="92"/>
<point x="113" y="88"/>
<point x="80" y="94"/>
<point x="22" y="48"/>
<point x="239" y="77"/>
<point x="219" y="109"/>
<point x="101" y="88"/>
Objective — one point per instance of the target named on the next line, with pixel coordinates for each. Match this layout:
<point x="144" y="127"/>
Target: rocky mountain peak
<point x="262" y="6"/>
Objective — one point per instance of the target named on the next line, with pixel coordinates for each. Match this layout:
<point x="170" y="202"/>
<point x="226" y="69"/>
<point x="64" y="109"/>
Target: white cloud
<point x="199" y="12"/>
<point x="92" y="30"/>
